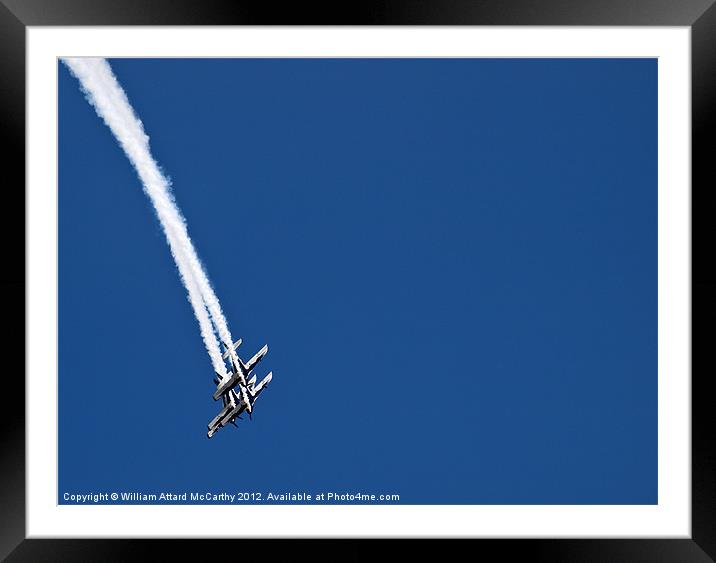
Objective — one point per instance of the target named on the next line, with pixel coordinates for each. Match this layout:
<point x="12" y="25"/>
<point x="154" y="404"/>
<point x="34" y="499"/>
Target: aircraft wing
<point x="260" y="387"/>
<point x="251" y="364"/>
<point x="217" y="419"/>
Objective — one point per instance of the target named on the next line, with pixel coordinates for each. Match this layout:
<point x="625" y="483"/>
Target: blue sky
<point x="453" y="262"/>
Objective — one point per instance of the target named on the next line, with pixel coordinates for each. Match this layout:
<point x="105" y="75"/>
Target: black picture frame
<point x="699" y="15"/>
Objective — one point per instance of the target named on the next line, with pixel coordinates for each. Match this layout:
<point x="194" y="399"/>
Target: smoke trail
<point x="110" y="102"/>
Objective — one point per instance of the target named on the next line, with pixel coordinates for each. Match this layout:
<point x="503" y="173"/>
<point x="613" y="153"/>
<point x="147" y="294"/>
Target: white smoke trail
<point x="110" y="101"/>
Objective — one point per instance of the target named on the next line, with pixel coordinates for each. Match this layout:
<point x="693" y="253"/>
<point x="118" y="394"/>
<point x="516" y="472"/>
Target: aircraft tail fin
<point x="233" y="347"/>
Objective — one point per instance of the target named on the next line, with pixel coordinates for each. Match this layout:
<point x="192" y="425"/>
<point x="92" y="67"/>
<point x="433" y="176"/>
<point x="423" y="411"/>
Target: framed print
<point x="451" y="248"/>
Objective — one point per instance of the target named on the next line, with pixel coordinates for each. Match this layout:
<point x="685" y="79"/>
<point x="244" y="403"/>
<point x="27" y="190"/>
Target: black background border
<point x="16" y="15"/>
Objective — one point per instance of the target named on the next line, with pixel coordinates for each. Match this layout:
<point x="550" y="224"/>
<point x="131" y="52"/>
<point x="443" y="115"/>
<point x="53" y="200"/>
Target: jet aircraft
<point x="235" y="403"/>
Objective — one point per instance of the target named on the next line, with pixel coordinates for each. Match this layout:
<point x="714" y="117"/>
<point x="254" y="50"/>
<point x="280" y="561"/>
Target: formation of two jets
<point x="238" y="388"/>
